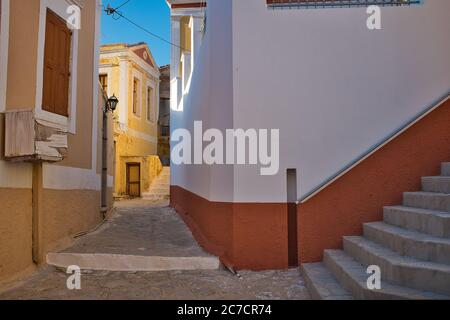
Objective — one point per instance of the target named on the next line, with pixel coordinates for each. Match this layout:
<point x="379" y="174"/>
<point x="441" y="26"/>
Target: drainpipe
<point x="110" y="106"/>
<point x="104" y="199"/>
<point x="37" y="187"/>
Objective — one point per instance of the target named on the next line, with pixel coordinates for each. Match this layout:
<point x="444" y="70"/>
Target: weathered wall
<point x="150" y="168"/>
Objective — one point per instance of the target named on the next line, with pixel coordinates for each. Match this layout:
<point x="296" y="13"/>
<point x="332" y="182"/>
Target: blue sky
<point x="153" y="15"/>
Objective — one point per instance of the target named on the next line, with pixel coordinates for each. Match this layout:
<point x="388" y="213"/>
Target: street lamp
<point x="110" y="106"/>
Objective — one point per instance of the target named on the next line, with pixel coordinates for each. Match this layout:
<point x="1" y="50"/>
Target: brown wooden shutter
<point x="56" y="65"/>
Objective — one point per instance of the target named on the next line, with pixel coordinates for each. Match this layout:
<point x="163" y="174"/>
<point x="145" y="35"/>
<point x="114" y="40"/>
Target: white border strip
<point x="68" y="178"/>
<point x="4" y="40"/>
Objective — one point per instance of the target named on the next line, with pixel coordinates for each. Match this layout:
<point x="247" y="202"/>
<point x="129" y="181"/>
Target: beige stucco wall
<point x="64" y="215"/>
<point x="63" y="212"/>
<point x="80" y="151"/>
<point x="22" y="56"/>
<point x="15" y="216"/>
<point x="15" y="232"/>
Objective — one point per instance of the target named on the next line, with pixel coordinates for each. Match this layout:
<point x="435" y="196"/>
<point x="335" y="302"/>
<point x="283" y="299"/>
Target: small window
<point x="150" y="105"/>
<point x="136" y="110"/>
<point x="58" y="39"/>
<point x="104" y="82"/>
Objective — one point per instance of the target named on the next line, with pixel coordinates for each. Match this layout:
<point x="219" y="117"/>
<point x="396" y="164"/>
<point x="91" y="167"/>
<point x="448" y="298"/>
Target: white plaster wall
<point x="209" y="100"/>
<point x="333" y="87"/>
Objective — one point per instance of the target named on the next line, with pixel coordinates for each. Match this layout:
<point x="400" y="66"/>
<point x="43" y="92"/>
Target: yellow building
<point x="130" y="73"/>
<point x="50" y="129"/>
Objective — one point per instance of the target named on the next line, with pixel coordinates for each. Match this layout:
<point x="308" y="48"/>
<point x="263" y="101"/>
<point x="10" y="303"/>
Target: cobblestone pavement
<point x="141" y="227"/>
<point x="174" y="285"/>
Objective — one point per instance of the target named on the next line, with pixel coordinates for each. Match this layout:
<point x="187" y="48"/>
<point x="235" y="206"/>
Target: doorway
<point x="134" y="179"/>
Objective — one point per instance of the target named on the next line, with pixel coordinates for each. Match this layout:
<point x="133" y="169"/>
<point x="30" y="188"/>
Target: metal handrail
<point x="316" y="190"/>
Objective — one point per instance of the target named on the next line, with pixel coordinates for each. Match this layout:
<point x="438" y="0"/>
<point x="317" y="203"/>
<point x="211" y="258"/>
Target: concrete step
<point x="436" y="184"/>
<point x="165" y="183"/>
<point x="353" y="276"/>
<point x="159" y="184"/>
<point x="156" y="190"/>
<point x="400" y="270"/>
<point x="156" y="197"/>
<point x="445" y="169"/>
<point x="159" y="190"/>
<point x="321" y="283"/>
<point x="155" y="194"/>
<point x="435" y="223"/>
<point x="148" y="194"/>
<point x="409" y="243"/>
<point x="125" y="263"/>
<point x="427" y="200"/>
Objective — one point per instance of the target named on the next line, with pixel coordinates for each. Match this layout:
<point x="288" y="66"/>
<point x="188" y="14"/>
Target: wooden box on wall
<point x="27" y="139"/>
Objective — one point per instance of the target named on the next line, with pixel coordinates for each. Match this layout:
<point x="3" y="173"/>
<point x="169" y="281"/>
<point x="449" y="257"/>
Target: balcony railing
<point x="308" y="4"/>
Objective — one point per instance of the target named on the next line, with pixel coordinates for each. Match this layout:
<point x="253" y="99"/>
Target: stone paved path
<point x="142" y="228"/>
<point x="173" y="285"/>
<point x="148" y="228"/>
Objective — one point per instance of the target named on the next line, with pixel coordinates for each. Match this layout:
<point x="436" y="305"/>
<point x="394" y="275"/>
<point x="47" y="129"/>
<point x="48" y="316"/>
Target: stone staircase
<point x="160" y="188"/>
<point x="411" y="246"/>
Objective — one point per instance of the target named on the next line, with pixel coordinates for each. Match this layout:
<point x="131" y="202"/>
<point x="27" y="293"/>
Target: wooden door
<point x="134" y="179"/>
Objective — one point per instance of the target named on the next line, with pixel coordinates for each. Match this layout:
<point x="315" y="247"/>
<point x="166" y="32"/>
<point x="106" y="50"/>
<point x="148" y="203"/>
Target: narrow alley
<point x="154" y="232"/>
<point x="224" y="150"/>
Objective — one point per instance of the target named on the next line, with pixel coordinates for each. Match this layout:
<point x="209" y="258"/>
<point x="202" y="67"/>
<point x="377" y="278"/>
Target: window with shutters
<point x="136" y="97"/>
<point x="104" y="82"/>
<point x="150" y="106"/>
<point x="136" y="89"/>
<point x="55" y="98"/>
<point x="337" y="3"/>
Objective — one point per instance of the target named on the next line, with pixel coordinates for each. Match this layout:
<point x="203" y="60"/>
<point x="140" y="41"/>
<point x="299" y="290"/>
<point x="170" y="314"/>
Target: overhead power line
<point x="122" y="5"/>
<point x="113" y="12"/>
